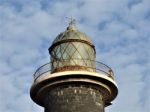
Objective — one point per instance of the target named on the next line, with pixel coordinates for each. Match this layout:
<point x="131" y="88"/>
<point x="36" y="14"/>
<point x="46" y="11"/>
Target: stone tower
<point x="73" y="81"/>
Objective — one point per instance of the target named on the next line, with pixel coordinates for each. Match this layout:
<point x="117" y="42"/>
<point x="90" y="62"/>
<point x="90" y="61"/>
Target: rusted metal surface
<point x="70" y="40"/>
<point x="72" y="68"/>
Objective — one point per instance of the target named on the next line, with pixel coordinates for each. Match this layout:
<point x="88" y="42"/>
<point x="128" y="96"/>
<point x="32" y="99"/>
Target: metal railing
<point x="99" y="68"/>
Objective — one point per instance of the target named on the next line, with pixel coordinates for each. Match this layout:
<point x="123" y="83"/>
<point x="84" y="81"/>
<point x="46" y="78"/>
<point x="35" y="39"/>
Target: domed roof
<point x="72" y="33"/>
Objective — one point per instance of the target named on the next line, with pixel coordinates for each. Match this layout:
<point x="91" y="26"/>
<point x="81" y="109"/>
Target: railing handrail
<point x="47" y="68"/>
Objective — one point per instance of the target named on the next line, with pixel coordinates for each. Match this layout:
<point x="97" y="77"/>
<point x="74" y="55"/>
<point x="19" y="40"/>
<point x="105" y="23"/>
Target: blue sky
<point x="120" y="30"/>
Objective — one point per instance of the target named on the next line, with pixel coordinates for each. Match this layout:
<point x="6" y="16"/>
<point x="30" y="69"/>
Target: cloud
<point x="119" y="29"/>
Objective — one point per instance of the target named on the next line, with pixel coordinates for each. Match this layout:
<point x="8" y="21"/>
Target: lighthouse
<point x="73" y="81"/>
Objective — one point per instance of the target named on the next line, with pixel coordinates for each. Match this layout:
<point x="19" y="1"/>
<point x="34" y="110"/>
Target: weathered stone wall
<point x="74" y="99"/>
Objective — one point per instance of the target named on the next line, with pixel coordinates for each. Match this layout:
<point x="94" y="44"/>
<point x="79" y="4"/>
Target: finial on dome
<point x="72" y="23"/>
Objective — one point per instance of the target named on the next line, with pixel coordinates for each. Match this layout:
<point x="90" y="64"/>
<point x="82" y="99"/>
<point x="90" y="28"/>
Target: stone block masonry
<point x="74" y="98"/>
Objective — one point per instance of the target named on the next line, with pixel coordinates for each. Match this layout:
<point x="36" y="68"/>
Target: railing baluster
<point x="100" y="67"/>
